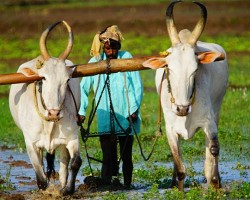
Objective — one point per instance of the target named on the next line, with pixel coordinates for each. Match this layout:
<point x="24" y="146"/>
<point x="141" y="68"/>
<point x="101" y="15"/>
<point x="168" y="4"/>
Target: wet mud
<point x="16" y="168"/>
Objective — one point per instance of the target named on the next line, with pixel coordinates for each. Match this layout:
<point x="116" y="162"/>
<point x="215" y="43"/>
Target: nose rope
<point x="44" y="106"/>
<point x="172" y="99"/>
<point x="192" y="98"/>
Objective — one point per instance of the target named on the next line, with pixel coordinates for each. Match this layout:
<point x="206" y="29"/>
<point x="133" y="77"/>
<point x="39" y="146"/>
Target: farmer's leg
<point x="126" y="144"/>
<point x="109" y="151"/>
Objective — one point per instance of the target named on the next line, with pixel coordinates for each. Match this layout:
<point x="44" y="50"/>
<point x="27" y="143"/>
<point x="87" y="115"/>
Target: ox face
<point x="181" y="70"/>
<point x="181" y="66"/>
<point x="53" y="87"/>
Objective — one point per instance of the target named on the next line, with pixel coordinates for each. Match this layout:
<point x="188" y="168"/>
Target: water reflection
<point x="17" y="167"/>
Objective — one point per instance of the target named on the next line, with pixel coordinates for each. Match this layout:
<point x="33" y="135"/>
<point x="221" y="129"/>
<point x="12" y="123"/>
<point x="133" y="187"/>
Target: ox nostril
<point x="54" y="112"/>
<point x="182" y="110"/>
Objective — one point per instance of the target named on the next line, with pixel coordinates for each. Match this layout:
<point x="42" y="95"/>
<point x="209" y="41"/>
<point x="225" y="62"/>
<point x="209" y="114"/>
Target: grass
<point x="5" y="182"/>
<point x="233" y="130"/>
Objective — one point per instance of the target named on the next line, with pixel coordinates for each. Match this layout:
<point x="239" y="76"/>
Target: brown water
<point x="17" y="167"/>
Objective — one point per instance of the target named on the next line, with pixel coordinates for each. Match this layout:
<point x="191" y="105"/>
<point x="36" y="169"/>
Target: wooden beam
<point x="116" y="65"/>
<point x="81" y="70"/>
<point x="14" y="78"/>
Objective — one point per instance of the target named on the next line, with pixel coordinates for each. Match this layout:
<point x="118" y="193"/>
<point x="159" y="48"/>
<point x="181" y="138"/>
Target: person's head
<point x="111" y="48"/>
<point x="110" y="39"/>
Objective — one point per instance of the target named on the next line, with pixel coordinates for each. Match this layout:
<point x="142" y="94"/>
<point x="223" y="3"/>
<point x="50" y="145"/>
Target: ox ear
<point x="155" y="63"/>
<point x="28" y="72"/>
<point x="70" y="70"/>
<point x="209" y="57"/>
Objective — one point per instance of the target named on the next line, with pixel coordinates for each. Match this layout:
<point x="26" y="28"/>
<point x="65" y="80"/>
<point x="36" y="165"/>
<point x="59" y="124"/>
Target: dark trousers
<point x="110" y="165"/>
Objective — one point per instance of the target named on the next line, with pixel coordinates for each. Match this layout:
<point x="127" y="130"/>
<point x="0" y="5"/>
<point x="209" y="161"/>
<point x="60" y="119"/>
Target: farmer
<point x="125" y="96"/>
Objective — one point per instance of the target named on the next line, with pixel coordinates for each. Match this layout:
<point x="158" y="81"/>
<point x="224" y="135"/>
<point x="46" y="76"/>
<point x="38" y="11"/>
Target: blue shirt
<point x="126" y="96"/>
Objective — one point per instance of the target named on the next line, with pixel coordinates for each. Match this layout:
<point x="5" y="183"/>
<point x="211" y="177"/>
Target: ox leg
<point x="64" y="163"/>
<point x="50" y="165"/>
<point x="75" y="164"/>
<point x="36" y="159"/>
<point x="211" y="163"/>
<point x="179" y="172"/>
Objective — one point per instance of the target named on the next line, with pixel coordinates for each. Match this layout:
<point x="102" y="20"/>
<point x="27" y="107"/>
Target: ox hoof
<point x="174" y="183"/>
<point x="215" y="179"/>
<point x="215" y="182"/>
<point x="42" y="185"/>
<point x="66" y="191"/>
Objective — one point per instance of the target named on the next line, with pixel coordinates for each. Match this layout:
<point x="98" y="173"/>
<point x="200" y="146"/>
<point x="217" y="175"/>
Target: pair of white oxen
<point x="191" y="80"/>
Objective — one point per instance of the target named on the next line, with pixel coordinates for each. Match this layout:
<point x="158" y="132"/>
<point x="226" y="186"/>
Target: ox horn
<point x="44" y="36"/>
<point x="172" y="31"/>
<point x="67" y="51"/>
<point x="199" y="26"/>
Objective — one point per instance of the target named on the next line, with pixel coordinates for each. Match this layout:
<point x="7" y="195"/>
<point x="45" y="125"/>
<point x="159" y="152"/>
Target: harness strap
<point x="159" y="105"/>
<point x="92" y="113"/>
<point x="43" y="104"/>
<point x="73" y="99"/>
<point x="36" y="103"/>
<point x="172" y="99"/>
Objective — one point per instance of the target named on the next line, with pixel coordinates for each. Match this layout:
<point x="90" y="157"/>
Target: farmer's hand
<point x="133" y="117"/>
<point x="80" y="119"/>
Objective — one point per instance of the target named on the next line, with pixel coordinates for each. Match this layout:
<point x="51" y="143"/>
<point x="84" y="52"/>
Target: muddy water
<point x="16" y="166"/>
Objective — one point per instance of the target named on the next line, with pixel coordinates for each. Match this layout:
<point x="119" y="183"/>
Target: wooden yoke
<point x="90" y="69"/>
<point x="6" y="79"/>
<point x="116" y="65"/>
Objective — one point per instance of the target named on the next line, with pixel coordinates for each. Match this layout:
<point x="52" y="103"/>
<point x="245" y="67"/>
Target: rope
<point x="158" y="133"/>
<point x="43" y="104"/>
<point x="172" y="99"/>
<point x="36" y="103"/>
<point x="113" y="118"/>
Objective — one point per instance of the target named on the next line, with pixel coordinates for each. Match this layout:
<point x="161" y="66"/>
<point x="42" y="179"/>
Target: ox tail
<point x="50" y="165"/>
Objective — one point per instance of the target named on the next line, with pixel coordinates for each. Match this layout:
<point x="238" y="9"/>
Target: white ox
<point x="46" y="113"/>
<point x="192" y="88"/>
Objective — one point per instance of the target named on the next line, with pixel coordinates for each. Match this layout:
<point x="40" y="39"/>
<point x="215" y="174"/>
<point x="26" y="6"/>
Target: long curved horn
<point x="44" y="36"/>
<point x="43" y="39"/>
<point x="67" y="51"/>
<point x="172" y="31"/>
<point x="198" y="29"/>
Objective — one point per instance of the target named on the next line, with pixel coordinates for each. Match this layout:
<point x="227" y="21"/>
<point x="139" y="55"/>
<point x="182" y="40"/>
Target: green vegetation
<point x="5" y="182"/>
